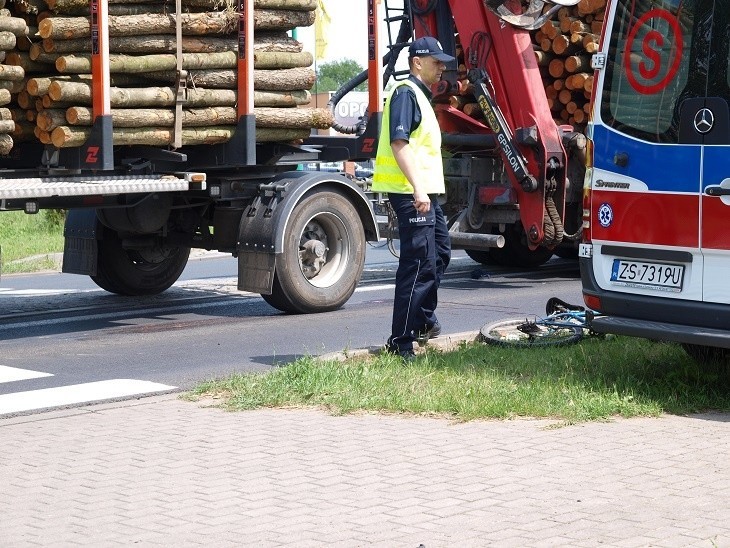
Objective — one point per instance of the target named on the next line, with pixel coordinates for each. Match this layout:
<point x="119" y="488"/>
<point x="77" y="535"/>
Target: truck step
<point x="47" y="187"/>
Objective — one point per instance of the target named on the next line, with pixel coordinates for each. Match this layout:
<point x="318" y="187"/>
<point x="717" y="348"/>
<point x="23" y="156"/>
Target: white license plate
<point x="659" y="276"/>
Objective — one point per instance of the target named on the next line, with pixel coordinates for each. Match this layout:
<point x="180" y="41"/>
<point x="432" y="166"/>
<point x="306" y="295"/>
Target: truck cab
<point x="655" y="257"/>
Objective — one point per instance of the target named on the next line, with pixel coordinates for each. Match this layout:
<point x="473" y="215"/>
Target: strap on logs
<point x="181" y="89"/>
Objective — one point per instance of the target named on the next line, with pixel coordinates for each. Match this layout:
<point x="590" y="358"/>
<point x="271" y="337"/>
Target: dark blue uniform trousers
<point x="425" y="252"/>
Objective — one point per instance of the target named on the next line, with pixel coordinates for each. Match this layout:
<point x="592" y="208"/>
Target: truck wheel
<point x="137" y="272"/>
<point x="324" y="255"/>
<point x="479" y="255"/>
<point x="516" y="253"/>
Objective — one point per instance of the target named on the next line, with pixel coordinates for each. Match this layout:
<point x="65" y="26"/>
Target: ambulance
<point x="655" y="257"/>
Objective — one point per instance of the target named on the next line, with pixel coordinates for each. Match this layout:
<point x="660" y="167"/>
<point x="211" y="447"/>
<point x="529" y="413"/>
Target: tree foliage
<point x="333" y="75"/>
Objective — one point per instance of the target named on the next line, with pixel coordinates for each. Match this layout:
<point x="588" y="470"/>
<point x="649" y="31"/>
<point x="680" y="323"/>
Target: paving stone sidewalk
<point x="165" y="472"/>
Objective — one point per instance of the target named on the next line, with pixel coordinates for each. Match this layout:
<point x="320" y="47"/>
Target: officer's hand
<point x="421" y="202"/>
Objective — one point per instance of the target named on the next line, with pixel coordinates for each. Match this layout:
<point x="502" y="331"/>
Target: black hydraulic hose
<point x="430" y="6"/>
<point x="389" y="61"/>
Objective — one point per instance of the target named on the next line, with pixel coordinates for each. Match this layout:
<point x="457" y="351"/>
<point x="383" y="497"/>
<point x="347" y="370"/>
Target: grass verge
<point x="29" y="241"/>
<point x="594" y="380"/>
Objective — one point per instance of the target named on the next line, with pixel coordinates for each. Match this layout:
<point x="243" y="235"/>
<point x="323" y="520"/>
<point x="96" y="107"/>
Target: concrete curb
<point x="444" y="342"/>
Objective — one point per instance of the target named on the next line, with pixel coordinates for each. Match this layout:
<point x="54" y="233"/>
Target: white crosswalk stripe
<point x="13" y="374"/>
<point x="46" y="398"/>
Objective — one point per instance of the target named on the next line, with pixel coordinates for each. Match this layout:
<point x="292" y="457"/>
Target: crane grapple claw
<point x="526" y="14"/>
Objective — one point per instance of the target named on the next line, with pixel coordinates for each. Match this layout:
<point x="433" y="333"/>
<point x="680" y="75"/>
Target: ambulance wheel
<point x="714" y="359"/>
<point x="323" y="258"/>
<point x="134" y="272"/>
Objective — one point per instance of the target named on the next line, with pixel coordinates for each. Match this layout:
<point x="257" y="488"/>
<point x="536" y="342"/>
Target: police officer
<point x="408" y="167"/>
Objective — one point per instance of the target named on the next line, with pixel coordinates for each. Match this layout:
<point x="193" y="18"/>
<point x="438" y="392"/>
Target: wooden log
<point x="23" y="132"/>
<point x="5" y="97"/>
<point x="167" y="44"/>
<point x="565" y="96"/>
<point x="65" y="6"/>
<point x="24" y="100"/>
<point x="281" y="98"/>
<point x="458" y="101"/>
<point x="564" y="24"/>
<point x="13" y="86"/>
<point x="22" y="59"/>
<point x="543" y="58"/>
<point x="24" y="43"/>
<point x="579" y="26"/>
<point x="575" y="63"/>
<point x="575" y="81"/>
<point x="556" y="68"/>
<point x="7" y="114"/>
<point x="282" y="80"/>
<point x="38" y="86"/>
<point x="7" y="39"/>
<point x="79" y="93"/>
<point x="588" y="84"/>
<point x="561" y="45"/>
<point x="11" y="72"/>
<point x="320" y="118"/>
<point x="300" y="118"/>
<point x="193" y="24"/>
<point x="305" y="5"/>
<point x="465" y="87"/>
<point x="65" y="136"/>
<point x="48" y="103"/>
<point x="590" y="38"/>
<point x="138" y="117"/>
<point x="50" y="119"/>
<point x="6" y="144"/>
<point x="7" y="126"/>
<point x="130" y="64"/>
<point x="15" y="25"/>
<point x="473" y="110"/>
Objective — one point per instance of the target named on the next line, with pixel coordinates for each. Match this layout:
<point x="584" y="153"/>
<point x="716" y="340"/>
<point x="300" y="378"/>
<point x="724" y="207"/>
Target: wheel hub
<point x="313" y="256"/>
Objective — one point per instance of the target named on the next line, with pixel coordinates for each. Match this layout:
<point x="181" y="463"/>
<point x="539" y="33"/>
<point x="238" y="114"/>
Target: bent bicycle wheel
<point x="526" y="333"/>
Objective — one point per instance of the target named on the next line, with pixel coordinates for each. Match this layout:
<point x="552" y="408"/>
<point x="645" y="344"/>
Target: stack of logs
<point x="12" y="78"/>
<point x="57" y="97"/>
<point x="563" y="47"/>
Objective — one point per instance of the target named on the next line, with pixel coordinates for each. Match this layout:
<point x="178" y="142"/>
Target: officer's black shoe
<point x="406" y="354"/>
<point x="428" y="333"/>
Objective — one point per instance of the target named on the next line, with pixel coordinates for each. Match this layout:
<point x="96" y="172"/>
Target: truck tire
<point x="137" y="272"/>
<point x="479" y="255"/>
<point x="516" y="253"/>
<point x="323" y="258"/>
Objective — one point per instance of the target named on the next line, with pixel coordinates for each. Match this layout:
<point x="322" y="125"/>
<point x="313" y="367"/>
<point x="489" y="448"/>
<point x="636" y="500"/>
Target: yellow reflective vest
<point x="426" y="144"/>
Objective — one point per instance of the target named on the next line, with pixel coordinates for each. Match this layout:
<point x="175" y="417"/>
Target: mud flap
<point x="256" y="271"/>
<point x="80" y="248"/>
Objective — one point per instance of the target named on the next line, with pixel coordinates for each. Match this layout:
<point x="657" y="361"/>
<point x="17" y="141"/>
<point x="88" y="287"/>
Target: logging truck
<point x="164" y="127"/>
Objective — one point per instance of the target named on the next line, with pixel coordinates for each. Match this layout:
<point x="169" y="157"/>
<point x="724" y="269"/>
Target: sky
<point x="347" y="33"/>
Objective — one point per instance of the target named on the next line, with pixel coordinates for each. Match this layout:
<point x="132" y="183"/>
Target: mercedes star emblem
<point x="704" y="120"/>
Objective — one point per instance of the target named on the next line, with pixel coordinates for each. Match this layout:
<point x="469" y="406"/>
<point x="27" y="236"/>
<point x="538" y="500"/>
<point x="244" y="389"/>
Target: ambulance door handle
<point x="717" y="191"/>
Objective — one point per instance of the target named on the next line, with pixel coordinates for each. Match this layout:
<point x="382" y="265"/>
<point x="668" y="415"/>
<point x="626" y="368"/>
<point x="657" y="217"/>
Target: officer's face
<point x="430" y="69"/>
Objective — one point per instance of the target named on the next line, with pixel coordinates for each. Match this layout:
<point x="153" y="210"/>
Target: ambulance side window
<point x="651" y="67"/>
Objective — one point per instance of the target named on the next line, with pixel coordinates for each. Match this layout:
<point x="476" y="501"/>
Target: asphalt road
<point x="59" y="331"/>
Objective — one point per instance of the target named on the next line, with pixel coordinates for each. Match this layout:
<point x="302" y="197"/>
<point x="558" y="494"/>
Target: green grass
<point x="594" y="380"/>
<point x="28" y="240"/>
